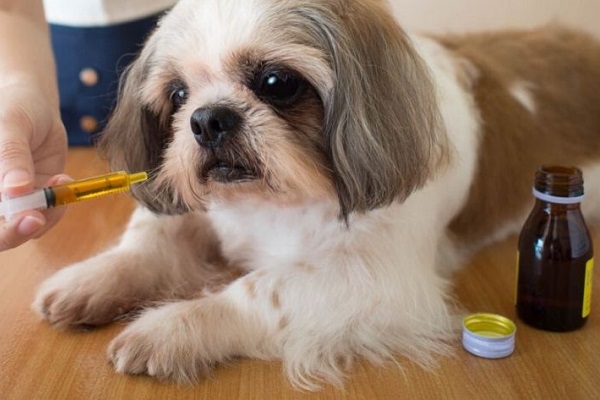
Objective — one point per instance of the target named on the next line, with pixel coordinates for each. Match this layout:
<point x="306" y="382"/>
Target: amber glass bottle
<point x="555" y="254"/>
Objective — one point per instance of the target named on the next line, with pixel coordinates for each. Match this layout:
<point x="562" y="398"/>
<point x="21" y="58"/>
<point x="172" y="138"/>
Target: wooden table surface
<point x="39" y="362"/>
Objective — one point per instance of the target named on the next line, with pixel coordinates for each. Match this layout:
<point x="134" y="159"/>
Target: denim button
<point x="89" y="77"/>
<point x="88" y="124"/>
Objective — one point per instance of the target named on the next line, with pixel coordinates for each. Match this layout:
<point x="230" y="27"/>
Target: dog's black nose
<point x="212" y="125"/>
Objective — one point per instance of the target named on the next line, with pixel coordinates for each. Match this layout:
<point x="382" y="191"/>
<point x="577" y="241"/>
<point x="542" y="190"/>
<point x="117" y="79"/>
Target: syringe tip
<point x="138" y="177"/>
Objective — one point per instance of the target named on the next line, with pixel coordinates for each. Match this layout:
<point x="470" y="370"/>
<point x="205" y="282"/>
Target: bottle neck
<point x="558" y="200"/>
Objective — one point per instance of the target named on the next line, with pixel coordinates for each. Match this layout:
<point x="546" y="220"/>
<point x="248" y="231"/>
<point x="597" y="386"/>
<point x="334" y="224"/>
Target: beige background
<point x="441" y="16"/>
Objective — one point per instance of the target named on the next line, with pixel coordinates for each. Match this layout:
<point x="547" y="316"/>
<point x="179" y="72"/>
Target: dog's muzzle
<point x="214" y="129"/>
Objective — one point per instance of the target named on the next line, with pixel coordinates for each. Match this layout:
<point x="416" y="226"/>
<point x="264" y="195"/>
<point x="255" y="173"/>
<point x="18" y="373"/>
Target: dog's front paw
<point x="162" y="343"/>
<point x="85" y="294"/>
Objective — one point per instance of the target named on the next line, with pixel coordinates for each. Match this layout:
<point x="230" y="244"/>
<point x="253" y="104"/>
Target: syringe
<point x="59" y="195"/>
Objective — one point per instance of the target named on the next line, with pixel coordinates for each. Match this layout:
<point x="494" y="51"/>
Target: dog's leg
<point x="158" y="258"/>
<point x="183" y="340"/>
<point x="316" y="317"/>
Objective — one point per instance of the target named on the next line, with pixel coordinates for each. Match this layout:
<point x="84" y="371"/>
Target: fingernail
<point x="30" y="225"/>
<point x="62" y="179"/>
<point x="16" y="178"/>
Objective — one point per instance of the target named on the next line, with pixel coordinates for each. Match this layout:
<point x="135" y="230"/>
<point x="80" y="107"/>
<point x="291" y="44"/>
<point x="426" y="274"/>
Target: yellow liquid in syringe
<point x="94" y="187"/>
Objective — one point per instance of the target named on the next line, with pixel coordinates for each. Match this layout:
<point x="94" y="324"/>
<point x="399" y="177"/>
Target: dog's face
<point x="289" y="101"/>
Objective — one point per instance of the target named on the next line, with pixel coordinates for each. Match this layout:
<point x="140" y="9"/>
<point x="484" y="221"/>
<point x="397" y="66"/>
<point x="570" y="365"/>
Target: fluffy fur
<point x="342" y="172"/>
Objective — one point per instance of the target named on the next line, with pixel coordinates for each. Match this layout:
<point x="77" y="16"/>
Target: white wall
<point x="442" y="16"/>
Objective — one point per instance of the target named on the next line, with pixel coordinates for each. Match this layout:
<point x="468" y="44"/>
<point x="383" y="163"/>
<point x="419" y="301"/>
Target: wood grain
<point x="39" y="362"/>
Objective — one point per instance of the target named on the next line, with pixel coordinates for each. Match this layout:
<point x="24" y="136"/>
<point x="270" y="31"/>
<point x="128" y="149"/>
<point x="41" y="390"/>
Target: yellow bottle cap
<point x="489" y="335"/>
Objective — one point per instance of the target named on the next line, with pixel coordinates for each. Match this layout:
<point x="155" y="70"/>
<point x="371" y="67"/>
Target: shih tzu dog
<point x="316" y="175"/>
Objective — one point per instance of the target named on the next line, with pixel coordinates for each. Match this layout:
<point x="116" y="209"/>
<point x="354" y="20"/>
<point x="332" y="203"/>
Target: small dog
<point x="316" y="176"/>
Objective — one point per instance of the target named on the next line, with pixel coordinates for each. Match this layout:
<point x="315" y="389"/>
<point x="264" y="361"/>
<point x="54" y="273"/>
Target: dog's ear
<point x="136" y="136"/>
<point x="132" y="137"/>
<point x="381" y="120"/>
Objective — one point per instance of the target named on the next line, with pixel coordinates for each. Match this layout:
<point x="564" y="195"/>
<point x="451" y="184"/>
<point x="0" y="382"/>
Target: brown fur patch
<point x="303" y="265"/>
<point x="467" y="73"/>
<point x="250" y="286"/>
<point x="275" y="300"/>
<point x="563" y="69"/>
<point x="283" y="323"/>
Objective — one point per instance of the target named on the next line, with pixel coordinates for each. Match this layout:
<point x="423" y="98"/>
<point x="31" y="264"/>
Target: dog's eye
<point x="178" y="95"/>
<point x="278" y="87"/>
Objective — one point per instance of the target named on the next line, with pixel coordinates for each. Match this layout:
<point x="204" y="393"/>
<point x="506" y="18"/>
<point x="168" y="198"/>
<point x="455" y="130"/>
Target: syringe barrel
<point x="90" y="188"/>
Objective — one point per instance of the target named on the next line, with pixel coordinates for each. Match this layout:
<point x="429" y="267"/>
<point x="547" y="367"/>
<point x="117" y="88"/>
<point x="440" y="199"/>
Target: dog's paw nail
<point x="45" y="312"/>
<point x="86" y="327"/>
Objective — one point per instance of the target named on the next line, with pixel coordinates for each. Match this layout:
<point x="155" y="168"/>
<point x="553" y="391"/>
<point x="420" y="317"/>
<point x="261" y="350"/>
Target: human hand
<point x="33" y="149"/>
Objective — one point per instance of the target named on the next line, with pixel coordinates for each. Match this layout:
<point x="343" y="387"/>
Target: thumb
<point x="16" y="163"/>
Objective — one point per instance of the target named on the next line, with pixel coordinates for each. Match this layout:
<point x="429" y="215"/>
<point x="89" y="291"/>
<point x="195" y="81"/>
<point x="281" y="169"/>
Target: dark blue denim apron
<point x="89" y="61"/>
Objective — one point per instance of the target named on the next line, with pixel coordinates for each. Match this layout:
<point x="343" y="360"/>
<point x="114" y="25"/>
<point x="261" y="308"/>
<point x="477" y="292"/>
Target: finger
<point x="59" y="179"/>
<point x="20" y="229"/>
<point x="53" y="216"/>
<point x="31" y="224"/>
